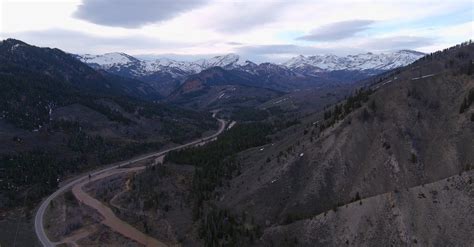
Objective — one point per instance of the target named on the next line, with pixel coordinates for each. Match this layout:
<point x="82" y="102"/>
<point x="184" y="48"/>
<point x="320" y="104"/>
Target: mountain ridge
<point x="166" y="75"/>
<point x="362" y="61"/>
<point x="327" y="62"/>
<point x="59" y="66"/>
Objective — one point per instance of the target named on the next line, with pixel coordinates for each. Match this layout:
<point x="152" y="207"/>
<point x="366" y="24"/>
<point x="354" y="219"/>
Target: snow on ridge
<point x="14" y="47"/>
<point x="309" y="64"/>
<point x="146" y="67"/>
<point x="107" y="60"/>
<point x="228" y="60"/>
<point x="363" y="61"/>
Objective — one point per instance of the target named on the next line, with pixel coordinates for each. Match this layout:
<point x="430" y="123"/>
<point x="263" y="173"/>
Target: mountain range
<point x="166" y="75"/>
<point x="365" y="61"/>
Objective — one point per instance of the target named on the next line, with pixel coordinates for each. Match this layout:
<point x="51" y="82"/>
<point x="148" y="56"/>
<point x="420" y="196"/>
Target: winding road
<point x="121" y="227"/>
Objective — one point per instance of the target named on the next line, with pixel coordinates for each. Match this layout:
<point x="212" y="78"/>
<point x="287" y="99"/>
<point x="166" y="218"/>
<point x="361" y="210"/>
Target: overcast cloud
<point x="241" y="16"/>
<point x="81" y="42"/>
<point x="398" y="43"/>
<point x="337" y="30"/>
<point x="133" y="13"/>
<point x="269" y="30"/>
<point x="278" y="49"/>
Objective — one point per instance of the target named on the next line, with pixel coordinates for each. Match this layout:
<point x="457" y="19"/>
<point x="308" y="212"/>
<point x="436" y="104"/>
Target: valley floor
<point x="87" y="214"/>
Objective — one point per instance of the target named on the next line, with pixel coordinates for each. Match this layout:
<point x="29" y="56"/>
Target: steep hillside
<point x="412" y="127"/>
<point x="438" y="213"/>
<point x="409" y="132"/>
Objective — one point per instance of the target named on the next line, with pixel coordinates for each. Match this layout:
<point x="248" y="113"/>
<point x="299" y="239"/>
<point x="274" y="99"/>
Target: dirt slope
<point x="436" y="214"/>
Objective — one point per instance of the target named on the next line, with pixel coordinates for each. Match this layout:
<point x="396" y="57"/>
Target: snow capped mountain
<point x="227" y="61"/>
<point x="120" y="61"/>
<point x="175" y="68"/>
<point x="165" y="75"/>
<point x="126" y="65"/>
<point x="365" y="61"/>
<point x="108" y="60"/>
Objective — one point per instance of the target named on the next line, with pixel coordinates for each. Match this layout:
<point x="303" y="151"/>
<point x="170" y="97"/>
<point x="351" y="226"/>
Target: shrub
<point x="413" y="158"/>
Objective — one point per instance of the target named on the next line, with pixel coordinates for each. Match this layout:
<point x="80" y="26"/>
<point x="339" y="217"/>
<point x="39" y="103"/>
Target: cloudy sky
<point x="263" y="30"/>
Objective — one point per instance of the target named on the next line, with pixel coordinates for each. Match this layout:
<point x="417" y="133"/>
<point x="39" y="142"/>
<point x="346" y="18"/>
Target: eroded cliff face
<point x="435" y="214"/>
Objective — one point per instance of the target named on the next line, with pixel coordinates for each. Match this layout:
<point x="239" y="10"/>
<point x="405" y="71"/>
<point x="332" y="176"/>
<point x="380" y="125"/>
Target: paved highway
<point x="39" y="217"/>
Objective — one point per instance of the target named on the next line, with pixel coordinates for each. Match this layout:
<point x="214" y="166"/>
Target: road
<point x="110" y="219"/>
<point x="39" y="217"/>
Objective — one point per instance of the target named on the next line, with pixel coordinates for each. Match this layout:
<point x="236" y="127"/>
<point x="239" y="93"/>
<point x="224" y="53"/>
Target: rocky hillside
<point x="397" y="147"/>
<point x="438" y="213"/>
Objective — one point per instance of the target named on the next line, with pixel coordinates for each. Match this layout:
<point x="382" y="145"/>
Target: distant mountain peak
<point x="108" y="60"/>
<point x="227" y="60"/>
<point x="363" y="61"/>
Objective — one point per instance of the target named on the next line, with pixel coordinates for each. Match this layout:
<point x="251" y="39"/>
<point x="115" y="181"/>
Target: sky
<point x="263" y="30"/>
